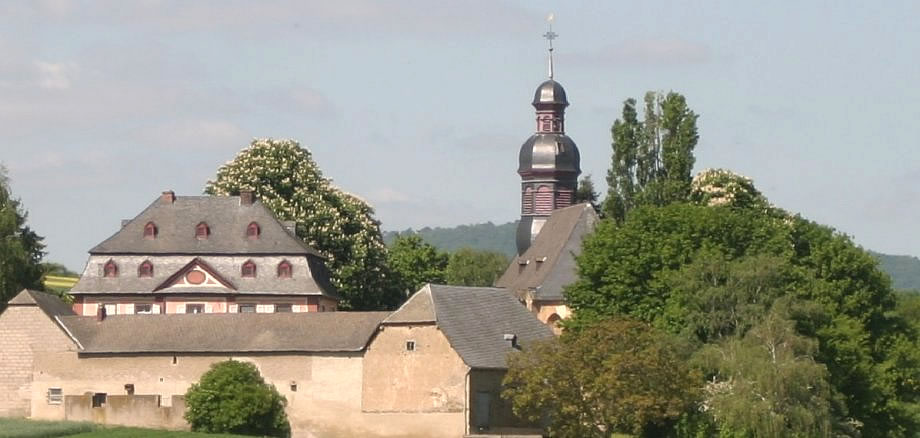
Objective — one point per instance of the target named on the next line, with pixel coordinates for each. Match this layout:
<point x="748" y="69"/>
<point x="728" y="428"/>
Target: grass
<point x="22" y="428"/>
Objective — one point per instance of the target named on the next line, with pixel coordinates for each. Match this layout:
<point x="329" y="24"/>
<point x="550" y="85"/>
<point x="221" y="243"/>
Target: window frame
<point x="148" y="312"/>
<point x="145" y="269"/>
<point x="202" y="231"/>
<point x="55" y="395"/>
<point x="289" y="306"/>
<point x="150" y="230"/>
<point x="248" y="269"/>
<point x="285" y="269"/>
<point x="196" y="306"/>
<point x="253" y="230"/>
<point x="253" y="306"/>
<point x="110" y="265"/>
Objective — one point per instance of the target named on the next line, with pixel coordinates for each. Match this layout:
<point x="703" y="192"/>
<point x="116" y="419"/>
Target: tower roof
<point x="550" y="92"/>
<point x="550" y="152"/>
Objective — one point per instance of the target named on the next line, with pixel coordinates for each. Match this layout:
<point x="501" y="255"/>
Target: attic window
<point x="248" y="270"/>
<point x="110" y="269"/>
<point x="145" y="269"/>
<point x="541" y="259"/>
<point x="410" y="345"/>
<point x="523" y="262"/>
<point x="284" y="269"/>
<point x="202" y="231"/>
<point x="253" y="231"/>
<point x="150" y="230"/>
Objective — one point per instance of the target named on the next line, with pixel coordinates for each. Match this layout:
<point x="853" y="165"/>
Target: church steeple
<point x="549" y="162"/>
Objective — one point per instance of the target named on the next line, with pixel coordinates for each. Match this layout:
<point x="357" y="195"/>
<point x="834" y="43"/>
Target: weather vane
<point x="550" y="36"/>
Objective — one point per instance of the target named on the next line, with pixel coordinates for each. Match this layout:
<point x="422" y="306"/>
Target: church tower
<point x="549" y="163"/>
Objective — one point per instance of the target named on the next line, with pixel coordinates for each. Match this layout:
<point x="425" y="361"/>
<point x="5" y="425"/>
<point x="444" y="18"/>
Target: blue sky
<point x="420" y="107"/>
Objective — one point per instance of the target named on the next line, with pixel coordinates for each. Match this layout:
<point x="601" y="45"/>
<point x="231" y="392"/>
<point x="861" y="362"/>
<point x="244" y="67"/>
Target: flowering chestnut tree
<point x="337" y="224"/>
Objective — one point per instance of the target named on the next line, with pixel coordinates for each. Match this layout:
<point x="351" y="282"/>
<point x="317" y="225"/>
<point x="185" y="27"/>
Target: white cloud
<point x="388" y="195"/>
<point x="55" y="76"/>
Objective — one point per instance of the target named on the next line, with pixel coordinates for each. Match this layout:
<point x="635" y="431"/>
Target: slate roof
<point x="266" y="281"/>
<point x="226" y="218"/>
<point x="50" y="304"/>
<point x="474" y="320"/>
<point x="548" y="265"/>
<point x="225" y="332"/>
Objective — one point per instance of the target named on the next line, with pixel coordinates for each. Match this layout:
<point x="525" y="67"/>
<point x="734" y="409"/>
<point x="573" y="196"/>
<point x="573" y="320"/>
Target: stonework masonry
<point x="25" y="331"/>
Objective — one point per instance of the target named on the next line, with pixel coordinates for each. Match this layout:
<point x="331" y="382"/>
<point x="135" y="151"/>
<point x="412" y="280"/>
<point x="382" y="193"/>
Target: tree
<point x="653" y="158"/>
<point x="232" y="397"/>
<point x="20" y="247"/>
<point x="339" y="225"/>
<point x="415" y="262"/>
<point x="618" y="375"/>
<point x="472" y="267"/>
<point x="586" y="192"/>
<point x="713" y="187"/>
<point x="682" y="265"/>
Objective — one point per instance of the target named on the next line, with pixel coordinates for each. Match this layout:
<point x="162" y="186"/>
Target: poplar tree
<point x="652" y="158"/>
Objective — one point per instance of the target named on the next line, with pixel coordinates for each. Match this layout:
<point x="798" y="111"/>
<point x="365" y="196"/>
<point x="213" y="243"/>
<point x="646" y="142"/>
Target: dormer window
<point x="253" y="231"/>
<point x="150" y="230"/>
<point x="145" y="269"/>
<point x="202" y="231"/>
<point x="284" y="269"/>
<point x="110" y="269"/>
<point x="248" y="270"/>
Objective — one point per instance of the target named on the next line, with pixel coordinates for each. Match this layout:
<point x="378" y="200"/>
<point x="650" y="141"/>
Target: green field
<point x="21" y="428"/>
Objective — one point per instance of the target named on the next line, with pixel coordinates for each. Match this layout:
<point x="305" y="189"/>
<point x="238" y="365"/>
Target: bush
<point x="232" y="397"/>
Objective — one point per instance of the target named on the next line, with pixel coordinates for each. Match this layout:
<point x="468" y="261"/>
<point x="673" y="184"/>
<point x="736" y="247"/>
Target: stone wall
<point x="24" y="331"/>
<point x="128" y="410"/>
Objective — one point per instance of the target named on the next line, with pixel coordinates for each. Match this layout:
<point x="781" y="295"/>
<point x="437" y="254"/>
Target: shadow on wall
<point x="127" y="410"/>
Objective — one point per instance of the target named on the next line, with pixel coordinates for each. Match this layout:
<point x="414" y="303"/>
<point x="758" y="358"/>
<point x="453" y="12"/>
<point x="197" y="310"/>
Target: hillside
<point x="487" y="236"/>
<point x="903" y="269"/>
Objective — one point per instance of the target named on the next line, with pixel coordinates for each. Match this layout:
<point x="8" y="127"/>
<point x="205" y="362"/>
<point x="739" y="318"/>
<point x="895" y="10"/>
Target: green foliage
<point x="471" y="267"/>
<point x="711" y="273"/>
<point x="618" y="375"/>
<point x="20" y="247"/>
<point x="232" y="397"/>
<point x="586" y="192"/>
<point x="487" y="236"/>
<point x="653" y="158"/>
<point x="415" y="263"/>
<point x="337" y="224"/>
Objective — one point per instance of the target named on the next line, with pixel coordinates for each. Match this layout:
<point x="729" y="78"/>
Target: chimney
<point x="100" y="314"/>
<point x="511" y="340"/>
<point x="168" y="197"/>
<point x="246" y="197"/>
<point x="125" y="222"/>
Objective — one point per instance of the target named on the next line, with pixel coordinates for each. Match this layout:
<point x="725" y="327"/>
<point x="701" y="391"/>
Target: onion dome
<point x="549" y="152"/>
<point x="550" y="92"/>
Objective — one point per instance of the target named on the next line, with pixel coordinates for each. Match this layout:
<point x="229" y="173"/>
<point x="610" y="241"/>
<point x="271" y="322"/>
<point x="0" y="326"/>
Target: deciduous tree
<point x="616" y="376"/>
<point x="20" y="247"/>
<point x="415" y="262"/>
<point x="337" y="224"/>
<point x="652" y="158"/>
<point x="472" y="267"/>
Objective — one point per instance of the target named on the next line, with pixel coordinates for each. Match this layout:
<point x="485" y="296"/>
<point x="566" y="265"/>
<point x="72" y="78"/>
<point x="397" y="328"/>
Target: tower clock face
<point x="195" y="277"/>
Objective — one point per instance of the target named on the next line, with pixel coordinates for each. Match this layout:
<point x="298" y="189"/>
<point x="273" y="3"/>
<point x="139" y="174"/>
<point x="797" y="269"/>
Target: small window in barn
<point x="194" y="308"/>
<point x="150" y="230"/>
<point x="143" y="309"/>
<point x="55" y="396"/>
<point x="283" y="308"/>
<point x="284" y="269"/>
<point x="110" y="269"/>
<point x="293" y="386"/>
<point x="145" y="269"/>
<point x="175" y="360"/>
<point x="410" y="345"/>
<point x="253" y="231"/>
<point x="99" y="399"/>
<point x="247" y="308"/>
<point x="129" y="388"/>
<point x="248" y="270"/>
<point x="202" y="231"/>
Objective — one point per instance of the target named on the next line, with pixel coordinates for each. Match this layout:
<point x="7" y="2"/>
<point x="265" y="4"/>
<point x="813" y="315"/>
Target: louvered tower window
<point x="544" y="200"/>
<point x="527" y="201"/>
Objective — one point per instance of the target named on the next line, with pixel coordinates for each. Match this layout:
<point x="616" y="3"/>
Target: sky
<point x="420" y="107"/>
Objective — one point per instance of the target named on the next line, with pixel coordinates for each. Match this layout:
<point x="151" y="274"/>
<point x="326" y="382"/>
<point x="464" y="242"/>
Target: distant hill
<point x="904" y="270"/>
<point x="487" y="236"/>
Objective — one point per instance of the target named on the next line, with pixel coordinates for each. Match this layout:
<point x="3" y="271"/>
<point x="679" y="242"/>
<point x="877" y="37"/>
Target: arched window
<point x="284" y="269"/>
<point x="554" y="322"/>
<point x="150" y="230"/>
<point x="202" y="231"/>
<point x="145" y="269"/>
<point x="110" y="269"/>
<point x="248" y="270"/>
<point x="253" y="231"/>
